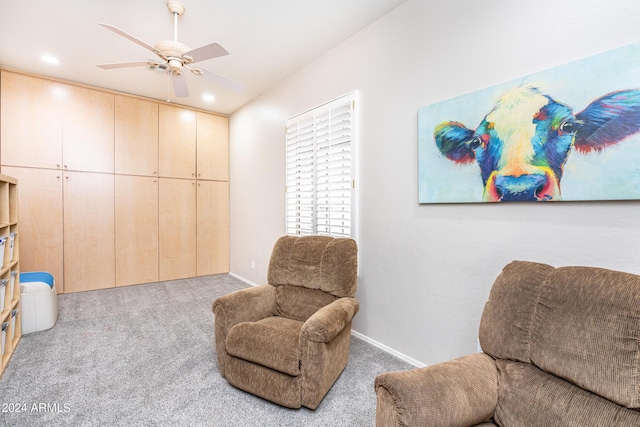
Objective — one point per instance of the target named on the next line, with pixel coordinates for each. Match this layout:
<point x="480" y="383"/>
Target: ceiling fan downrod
<point x="177" y="9"/>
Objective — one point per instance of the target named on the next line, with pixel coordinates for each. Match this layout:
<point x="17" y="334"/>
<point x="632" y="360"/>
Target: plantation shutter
<point x="321" y="170"/>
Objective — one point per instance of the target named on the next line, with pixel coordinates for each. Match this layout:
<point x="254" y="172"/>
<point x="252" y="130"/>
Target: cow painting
<point x="522" y="145"/>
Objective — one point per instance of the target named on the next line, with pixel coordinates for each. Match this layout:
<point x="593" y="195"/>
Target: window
<point x="321" y="170"/>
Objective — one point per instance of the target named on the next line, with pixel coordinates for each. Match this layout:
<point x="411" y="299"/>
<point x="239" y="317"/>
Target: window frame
<point x="309" y="137"/>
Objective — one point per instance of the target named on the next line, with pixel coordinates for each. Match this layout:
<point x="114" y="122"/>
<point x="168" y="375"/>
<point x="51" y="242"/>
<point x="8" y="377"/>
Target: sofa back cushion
<point x="315" y="262"/>
<point x="298" y="303"/>
<point x="586" y="329"/>
<point x="505" y="327"/>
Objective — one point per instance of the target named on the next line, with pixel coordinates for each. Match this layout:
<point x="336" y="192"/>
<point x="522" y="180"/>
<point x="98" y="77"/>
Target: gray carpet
<point x="144" y="356"/>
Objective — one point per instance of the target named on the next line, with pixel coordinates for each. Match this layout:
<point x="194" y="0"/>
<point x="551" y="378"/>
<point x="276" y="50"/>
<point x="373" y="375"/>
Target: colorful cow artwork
<point x="523" y="142"/>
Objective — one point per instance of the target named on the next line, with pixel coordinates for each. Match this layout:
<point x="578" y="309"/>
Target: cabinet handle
<point x="58" y="165"/>
<point x="65" y="166"/>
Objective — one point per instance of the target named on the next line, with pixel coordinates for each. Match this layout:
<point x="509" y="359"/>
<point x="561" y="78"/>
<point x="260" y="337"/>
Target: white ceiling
<point x="267" y="41"/>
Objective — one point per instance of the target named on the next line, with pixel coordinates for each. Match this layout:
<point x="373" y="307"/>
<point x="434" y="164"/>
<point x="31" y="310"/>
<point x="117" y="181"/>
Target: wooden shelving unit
<point x="10" y="315"/>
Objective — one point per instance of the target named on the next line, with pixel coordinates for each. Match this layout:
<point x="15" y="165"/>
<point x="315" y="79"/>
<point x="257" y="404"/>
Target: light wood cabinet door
<point x="89" y="248"/>
<point x="136" y="206"/>
<point x="136" y="136"/>
<point x="40" y="207"/>
<point x="177" y="142"/>
<point x="87" y="130"/>
<point x="212" y="227"/>
<point x="177" y="229"/>
<point x="212" y="144"/>
<point x="31" y="122"/>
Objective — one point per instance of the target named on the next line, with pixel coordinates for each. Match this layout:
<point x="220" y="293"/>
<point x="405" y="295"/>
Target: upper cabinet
<point x="87" y="130"/>
<point x="212" y="147"/>
<point x="177" y="142"/>
<point x="136" y="136"/>
<point x="31" y="125"/>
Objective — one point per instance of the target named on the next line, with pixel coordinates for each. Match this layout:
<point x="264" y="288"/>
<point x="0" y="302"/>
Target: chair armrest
<point x="326" y="323"/>
<point x="460" y="392"/>
<point x="246" y="305"/>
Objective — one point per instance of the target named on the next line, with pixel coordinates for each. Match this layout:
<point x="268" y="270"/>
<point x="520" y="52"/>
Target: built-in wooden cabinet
<point x="177" y="142"/>
<point x="177" y="232"/>
<point x="40" y="206"/>
<point x="116" y="189"/>
<point x="89" y="231"/>
<point x="136" y="207"/>
<point x="212" y="246"/>
<point x="212" y="142"/>
<point x="10" y="310"/>
<point x="136" y="136"/>
<point x="30" y="121"/>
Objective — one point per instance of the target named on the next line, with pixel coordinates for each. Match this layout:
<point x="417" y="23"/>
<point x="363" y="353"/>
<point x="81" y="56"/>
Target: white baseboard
<point x="371" y="341"/>
<point x="248" y="282"/>
<point x="388" y="349"/>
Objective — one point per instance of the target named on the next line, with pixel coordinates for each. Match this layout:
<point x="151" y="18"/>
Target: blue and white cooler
<point x="39" y="301"/>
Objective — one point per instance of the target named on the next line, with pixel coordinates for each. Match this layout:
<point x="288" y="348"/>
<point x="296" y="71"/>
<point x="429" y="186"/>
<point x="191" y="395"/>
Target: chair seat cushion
<point x="272" y="342"/>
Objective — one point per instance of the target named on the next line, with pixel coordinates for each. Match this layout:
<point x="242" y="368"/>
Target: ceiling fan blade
<point x="213" y="50"/>
<point x="180" y="86"/>
<point x="217" y="78"/>
<point x="130" y="37"/>
<point x="122" y="65"/>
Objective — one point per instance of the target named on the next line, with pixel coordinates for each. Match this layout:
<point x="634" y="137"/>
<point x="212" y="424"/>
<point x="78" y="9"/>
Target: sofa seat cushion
<point x="528" y="396"/>
<point x="272" y="342"/>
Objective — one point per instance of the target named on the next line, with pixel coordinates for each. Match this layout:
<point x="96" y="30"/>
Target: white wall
<point x="426" y="270"/>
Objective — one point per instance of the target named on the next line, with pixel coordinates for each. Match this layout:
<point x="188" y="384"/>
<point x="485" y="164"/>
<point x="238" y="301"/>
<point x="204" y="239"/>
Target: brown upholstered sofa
<point x="288" y="341"/>
<point x="561" y="348"/>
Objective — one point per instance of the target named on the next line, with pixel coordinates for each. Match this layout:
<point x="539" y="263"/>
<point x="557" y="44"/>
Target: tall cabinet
<point x="118" y="189"/>
<point x="10" y="316"/>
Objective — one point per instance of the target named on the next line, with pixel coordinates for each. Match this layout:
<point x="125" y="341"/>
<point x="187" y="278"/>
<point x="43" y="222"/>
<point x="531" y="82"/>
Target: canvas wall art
<point x="568" y="133"/>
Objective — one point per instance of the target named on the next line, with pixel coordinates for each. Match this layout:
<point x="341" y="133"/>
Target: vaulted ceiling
<point x="267" y="40"/>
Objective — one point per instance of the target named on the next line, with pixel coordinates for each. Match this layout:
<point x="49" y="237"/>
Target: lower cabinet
<point x="177" y="228"/>
<point x="136" y="210"/>
<point x="40" y="206"/>
<point x="95" y="230"/>
<point x="89" y="231"/>
<point x="212" y="241"/>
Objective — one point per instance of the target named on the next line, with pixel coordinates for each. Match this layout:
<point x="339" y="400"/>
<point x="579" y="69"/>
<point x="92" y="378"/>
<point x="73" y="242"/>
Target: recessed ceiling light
<point x="50" y="59"/>
<point x="208" y="97"/>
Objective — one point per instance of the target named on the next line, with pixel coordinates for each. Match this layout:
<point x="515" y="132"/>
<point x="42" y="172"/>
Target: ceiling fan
<point x="176" y="57"/>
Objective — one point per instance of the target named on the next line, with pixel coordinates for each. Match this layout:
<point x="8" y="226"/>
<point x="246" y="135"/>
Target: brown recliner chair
<point x="561" y="348"/>
<point x="288" y="341"/>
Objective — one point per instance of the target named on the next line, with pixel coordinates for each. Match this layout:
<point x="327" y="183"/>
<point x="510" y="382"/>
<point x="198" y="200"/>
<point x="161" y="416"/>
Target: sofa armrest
<point x="460" y="392"/>
<point x="327" y="322"/>
<point x="245" y="305"/>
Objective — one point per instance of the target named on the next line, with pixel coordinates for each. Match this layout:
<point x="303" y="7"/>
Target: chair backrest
<point x="578" y="323"/>
<point x="310" y="272"/>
